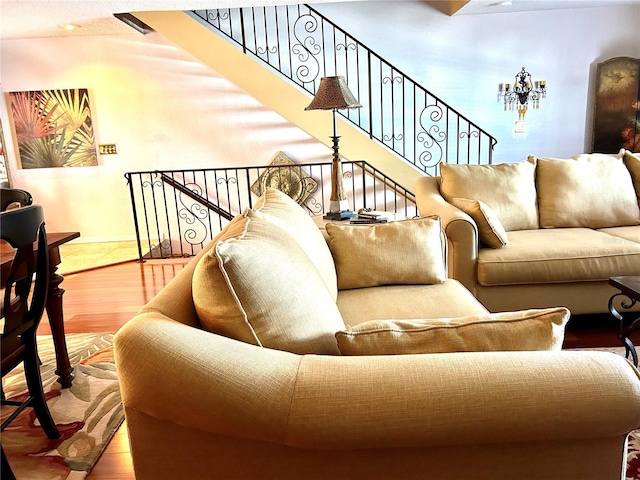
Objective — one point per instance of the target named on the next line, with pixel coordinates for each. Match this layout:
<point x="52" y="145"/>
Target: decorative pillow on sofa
<point x="541" y="329"/>
<point x="508" y="189"/>
<point x="632" y="161"/>
<point x="257" y="285"/>
<point x="490" y="230"/>
<point x="592" y="191"/>
<point x="404" y="252"/>
<point x="277" y="207"/>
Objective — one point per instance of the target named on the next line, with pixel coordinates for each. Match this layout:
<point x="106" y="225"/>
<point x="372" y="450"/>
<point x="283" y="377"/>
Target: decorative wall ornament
<point x="284" y="175"/>
<point x="53" y="128"/>
<point x="616" y="121"/>
<point x="523" y="91"/>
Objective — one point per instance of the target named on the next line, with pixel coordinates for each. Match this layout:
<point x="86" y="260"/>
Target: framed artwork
<point x="5" y="179"/>
<point x="617" y="106"/>
<point x="53" y="128"/>
<point x="287" y="177"/>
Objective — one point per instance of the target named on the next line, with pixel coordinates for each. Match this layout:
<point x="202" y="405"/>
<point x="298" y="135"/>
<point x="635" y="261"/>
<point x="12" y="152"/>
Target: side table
<point x="629" y="287"/>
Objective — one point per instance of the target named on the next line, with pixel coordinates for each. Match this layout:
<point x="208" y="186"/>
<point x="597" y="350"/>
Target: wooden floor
<point x="104" y="299"/>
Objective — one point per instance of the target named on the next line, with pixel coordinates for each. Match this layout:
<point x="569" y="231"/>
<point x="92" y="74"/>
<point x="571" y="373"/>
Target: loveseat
<point x="541" y="232"/>
<point x="272" y="355"/>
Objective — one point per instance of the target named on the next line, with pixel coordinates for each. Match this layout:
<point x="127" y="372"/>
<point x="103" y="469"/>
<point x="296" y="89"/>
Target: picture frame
<point x="616" y="123"/>
<point x="53" y="128"/>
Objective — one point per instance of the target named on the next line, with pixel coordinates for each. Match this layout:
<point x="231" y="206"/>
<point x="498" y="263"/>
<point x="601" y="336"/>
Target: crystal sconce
<point x="523" y="91"/>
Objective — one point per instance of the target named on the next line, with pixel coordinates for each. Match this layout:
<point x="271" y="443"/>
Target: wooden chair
<point x="22" y="308"/>
<point x="9" y="196"/>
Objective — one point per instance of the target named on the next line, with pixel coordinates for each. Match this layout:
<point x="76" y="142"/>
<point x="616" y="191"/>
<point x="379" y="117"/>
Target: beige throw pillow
<point x="490" y="230"/>
<point x="508" y="189"/>
<point x="403" y="252"/>
<point x="632" y="161"/>
<point x="592" y="191"/>
<point x="509" y="331"/>
<point x="257" y="285"/>
<point x="277" y="207"/>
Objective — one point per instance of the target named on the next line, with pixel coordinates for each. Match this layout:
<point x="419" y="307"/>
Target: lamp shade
<point x="333" y="93"/>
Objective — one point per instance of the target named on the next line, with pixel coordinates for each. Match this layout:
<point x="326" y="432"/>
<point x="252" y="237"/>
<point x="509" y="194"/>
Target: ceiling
<point x="42" y="18"/>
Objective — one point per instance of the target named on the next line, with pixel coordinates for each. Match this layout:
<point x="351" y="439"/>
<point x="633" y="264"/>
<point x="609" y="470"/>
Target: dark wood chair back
<point x="10" y="196"/>
<point x="23" y="304"/>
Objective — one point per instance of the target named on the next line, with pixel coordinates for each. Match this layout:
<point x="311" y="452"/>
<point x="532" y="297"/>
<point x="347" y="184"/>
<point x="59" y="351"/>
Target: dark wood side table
<point x="54" y="299"/>
<point x="629" y="287"/>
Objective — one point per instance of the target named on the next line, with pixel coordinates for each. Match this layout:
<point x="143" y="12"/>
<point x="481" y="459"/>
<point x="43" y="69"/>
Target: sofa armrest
<point x="203" y="381"/>
<point x="461" y="231"/>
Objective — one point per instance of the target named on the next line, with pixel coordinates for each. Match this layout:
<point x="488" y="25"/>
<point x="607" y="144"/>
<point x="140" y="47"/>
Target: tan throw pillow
<point x="491" y="231"/>
<point x="405" y="252"/>
<point x="592" y="191"/>
<point x="632" y="161"/>
<point x="541" y="329"/>
<point x="508" y="189"/>
<point x="277" y="207"/>
<point x="258" y="286"/>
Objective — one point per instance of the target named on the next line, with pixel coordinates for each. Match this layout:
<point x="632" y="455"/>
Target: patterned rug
<point x="87" y="414"/>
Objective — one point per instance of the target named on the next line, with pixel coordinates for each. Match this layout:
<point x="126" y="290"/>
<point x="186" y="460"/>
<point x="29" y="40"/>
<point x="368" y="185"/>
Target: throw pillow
<point x="257" y="285"/>
<point x="592" y="191"/>
<point x="277" y="207"/>
<point x="540" y="329"/>
<point x="490" y="230"/>
<point x="404" y="252"/>
<point x="632" y="161"/>
<point x="508" y="188"/>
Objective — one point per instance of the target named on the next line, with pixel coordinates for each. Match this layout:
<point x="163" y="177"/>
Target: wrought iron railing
<point x="303" y="46"/>
<point x="177" y="212"/>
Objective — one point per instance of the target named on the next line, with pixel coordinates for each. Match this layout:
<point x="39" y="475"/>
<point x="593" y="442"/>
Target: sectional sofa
<point x="276" y="355"/>
<point x="541" y="232"/>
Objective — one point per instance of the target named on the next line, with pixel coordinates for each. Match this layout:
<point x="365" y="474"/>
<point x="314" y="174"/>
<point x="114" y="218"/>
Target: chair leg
<point x="34" y="384"/>
<point x="5" y="469"/>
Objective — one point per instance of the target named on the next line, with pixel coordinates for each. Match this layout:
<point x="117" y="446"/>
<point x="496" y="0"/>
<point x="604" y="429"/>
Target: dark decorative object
<point x="616" y="122"/>
<point x="524" y="89"/>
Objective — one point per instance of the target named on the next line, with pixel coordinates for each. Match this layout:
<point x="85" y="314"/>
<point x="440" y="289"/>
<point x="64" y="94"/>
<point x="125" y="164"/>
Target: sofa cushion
<point x="593" y="191"/>
<point x="507" y="188"/>
<point x="278" y="208"/>
<point x="556" y="256"/>
<point x="447" y="299"/>
<point x="632" y="161"/>
<point x="403" y="252"/>
<point x="257" y="285"/>
<point x="508" y="331"/>
<point x="490" y="230"/>
<point x="627" y="233"/>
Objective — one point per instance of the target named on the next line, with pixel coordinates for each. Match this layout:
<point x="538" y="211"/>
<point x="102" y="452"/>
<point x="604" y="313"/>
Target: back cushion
<point x="257" y="285"/>
<point x="403" y="252"/>
<point x="592" y="191"/>
<point x="632" y="161"/>
<point x="278" y="208"/>
<point x="507" y="188"/>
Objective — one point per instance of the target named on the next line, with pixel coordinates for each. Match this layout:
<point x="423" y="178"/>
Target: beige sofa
<point x="203" y="405"/>
<point x="567" y="225"/>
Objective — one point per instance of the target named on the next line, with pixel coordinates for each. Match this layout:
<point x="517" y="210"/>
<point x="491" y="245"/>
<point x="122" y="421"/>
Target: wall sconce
<point x="523" y="90"/>
<point x="334" y="94"/>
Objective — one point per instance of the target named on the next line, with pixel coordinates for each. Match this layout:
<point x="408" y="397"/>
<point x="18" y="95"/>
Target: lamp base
<point x="339" y="210"/>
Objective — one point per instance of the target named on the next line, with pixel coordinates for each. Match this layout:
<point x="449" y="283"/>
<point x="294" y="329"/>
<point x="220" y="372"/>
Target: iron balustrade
<point x="303" y="46"/>
<point x="177" y="212"/>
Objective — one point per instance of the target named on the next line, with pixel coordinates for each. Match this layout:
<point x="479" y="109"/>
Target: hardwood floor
<point x="104" y="299"/>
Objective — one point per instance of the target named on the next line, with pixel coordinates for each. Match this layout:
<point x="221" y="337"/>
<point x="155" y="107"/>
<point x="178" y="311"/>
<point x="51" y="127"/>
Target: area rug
<point x="87" y="414"/>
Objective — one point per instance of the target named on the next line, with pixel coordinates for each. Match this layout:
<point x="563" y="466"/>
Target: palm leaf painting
<point x="54" y="128"/>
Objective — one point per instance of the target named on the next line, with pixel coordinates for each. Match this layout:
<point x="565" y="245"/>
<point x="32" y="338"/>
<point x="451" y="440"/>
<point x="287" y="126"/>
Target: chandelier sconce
<point x="523" y="91"/>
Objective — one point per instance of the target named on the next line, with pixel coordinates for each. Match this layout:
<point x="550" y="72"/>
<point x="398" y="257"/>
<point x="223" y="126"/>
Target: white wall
<point x="165" y="110"/>
<point x="161" y="107"/>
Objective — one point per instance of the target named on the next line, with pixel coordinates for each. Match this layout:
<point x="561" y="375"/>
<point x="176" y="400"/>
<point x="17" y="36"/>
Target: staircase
<point x="298" y="46"/>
